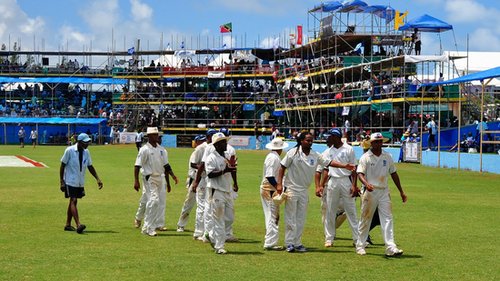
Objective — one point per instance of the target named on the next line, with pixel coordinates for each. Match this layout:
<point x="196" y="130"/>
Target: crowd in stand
<point x="40" y="100"/>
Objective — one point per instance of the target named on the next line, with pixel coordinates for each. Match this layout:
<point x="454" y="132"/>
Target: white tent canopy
<point x="477" y="61"/>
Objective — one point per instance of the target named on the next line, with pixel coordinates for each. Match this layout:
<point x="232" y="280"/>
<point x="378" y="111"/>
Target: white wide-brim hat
<point x="277" y="144"/>
<point x="152" y="130"/>
<point x="279" y="198"/>
<point x="377" y="136"/>
<point x="219" y="137"/>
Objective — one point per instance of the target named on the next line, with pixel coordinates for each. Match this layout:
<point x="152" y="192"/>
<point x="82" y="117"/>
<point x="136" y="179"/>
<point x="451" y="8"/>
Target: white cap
<point x="84" y="137"/>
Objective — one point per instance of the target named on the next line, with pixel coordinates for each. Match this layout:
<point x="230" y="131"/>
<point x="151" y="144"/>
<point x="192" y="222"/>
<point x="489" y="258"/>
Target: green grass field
<point x="448" y="229"/>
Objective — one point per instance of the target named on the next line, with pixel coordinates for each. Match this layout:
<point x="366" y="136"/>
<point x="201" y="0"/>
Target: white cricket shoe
<point x="221" y="251"/>
<point x="393" y="252"/>
<point x="361" y="252"/>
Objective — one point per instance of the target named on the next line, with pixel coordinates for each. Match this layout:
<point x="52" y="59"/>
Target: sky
<point x="104" y="25"/>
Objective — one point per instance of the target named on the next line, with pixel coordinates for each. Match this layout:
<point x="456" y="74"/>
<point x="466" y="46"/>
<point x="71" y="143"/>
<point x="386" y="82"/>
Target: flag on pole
<point x="131" y="51"/>
<point x="226" y="28"/>
<point x="182" y="45"/>
<point x="399" y="19"/>
<point x="299" y="34"/>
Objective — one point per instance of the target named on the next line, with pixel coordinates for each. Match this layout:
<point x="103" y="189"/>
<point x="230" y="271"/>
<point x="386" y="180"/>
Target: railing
<point x="230" y="69"/>
<point x="325" y="64"/>
<point x="197" y="97"/>
<point x="318" y="97"/>
<point x="195" y="70"/>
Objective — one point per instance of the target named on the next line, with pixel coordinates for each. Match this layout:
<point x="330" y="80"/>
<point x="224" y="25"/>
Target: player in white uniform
<point x="153" y="163"/>
<point x="341" y="189"/>
<point x="141" y="210"/>
<point x="373" y="170"/>
<point x="219" y="190"/>
<point x="199" y="186"/>
<point x="268" y="189"/>
<point x="301" y="163"/>
<point x="160" y="222"/>
<point x="321" y="180"/>
<point x="190" y="200"/>
<point x="230" y="155"/>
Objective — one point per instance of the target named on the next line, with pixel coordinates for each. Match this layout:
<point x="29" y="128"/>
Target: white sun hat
<point x="152" y="130"/>
<point x="218" y="137"/>
<point x="277" y="144"/>
<point x="377" y="136"/>
<point x="279" y="198"/>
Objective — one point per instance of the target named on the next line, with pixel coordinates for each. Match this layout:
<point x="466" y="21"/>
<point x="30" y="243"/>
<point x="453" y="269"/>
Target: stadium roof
<point x="52" y="120"/>
<point x="482" y="75"/>
<point x="72" y="80"/>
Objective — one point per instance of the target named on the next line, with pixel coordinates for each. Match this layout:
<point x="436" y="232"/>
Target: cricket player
<point x="341" y="189"/>
<point x="218" y="170"/>
<point x="152" y="161"/>
<point x="373" y="170"/>
<point x="191" y="198"/>
<point x="301" y="162"/>
<point x="268" y="189"/>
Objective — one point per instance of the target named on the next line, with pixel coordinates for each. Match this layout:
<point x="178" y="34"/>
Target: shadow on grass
<point x="402" y="257"/>
<point x="342" y="238"/>
<point x="332" y="250"/>
<point x="245" y="241"/>
<point x="173" y="234"/>
<point x="245" y="253"/>
<point x="101" y="231"/>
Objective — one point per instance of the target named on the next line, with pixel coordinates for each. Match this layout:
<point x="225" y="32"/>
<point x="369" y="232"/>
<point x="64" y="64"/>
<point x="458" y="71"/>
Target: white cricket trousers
<point x="370" y="201"/>
<point x="223" y="216"/>
<point x="152" y="188"/>
<point x="341" y="216"/>
<point x="160" y="221"/>
<point x="271" y="218"/>
<point x="208" y="223"/>
<point x="188" y="205"/>
<point x="339" y="194"/>
<point x="201" y="206"/>
<point x="141" y="210"/>
<point x="139" y="215"/>
<point x="295" y="216"/>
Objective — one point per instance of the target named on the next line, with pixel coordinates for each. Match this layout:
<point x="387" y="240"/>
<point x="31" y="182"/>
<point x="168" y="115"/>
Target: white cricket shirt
<point x="301" y="168"/>
<point x="376" y="168"/>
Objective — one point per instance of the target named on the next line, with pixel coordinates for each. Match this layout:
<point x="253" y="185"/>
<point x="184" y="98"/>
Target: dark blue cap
<point x="225" y="131"/>
<point x="211" y="132"/>
<point x="200" y="138"/>
<point x="334" y="132"/>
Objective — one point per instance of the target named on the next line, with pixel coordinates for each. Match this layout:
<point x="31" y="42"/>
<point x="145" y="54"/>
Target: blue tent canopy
<point x="482" y="75"/>
<point x="327" y="6"/>
<point x="52" y="120"/>
<point x="72" y="80"/>
<point x="356" y="6"/>
<point x="427" y="23"/>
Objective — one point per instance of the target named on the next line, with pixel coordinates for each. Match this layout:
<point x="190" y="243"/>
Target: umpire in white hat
<point x="268" y="190"/>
